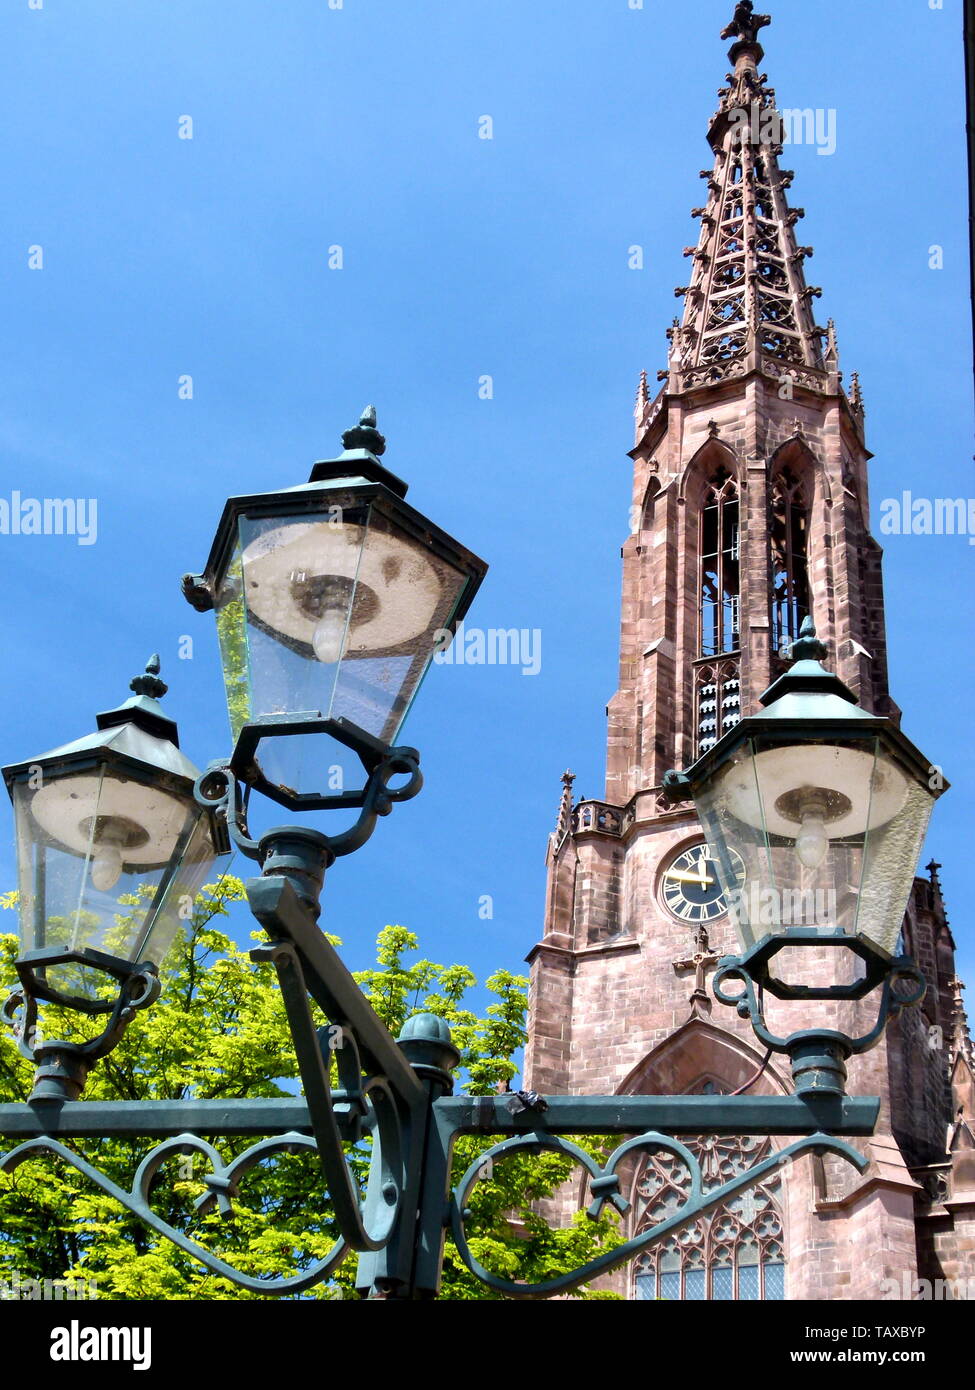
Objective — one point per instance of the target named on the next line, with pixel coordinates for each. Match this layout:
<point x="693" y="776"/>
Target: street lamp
<point x="815" y="812"/>
<point x="112" y="847"/>
<point x="331" y="600"/>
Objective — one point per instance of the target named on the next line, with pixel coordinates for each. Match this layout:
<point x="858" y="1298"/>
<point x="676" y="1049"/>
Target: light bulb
<point x="328" y="642"/>
<point x="106" y="870"/>
<point x="812" y="842"/>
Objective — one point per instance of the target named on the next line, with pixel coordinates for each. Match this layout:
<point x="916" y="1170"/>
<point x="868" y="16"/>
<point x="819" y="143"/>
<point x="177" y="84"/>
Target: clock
<point x="690" y="888"/>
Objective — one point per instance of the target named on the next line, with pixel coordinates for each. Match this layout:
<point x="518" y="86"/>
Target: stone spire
<point x="961" y="1132"/>
<point x="961" y="1038"/>
<point x="856" y="394"/>
<point x="564" y="822"/>
<point x="748" y="306"/>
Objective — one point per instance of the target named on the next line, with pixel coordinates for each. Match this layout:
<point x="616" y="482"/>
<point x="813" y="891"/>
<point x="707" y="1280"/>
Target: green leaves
<point x="219" y="1031"/>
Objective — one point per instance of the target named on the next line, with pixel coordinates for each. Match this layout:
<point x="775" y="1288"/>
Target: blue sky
<point x="315" y="127"/>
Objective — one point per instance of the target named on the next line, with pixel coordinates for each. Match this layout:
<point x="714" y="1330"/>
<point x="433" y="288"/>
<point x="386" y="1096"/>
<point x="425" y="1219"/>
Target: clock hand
<point x="701" y="879"/>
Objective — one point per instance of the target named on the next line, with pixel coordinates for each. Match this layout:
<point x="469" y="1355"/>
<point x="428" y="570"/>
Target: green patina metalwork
<point x="397" y="1093"/>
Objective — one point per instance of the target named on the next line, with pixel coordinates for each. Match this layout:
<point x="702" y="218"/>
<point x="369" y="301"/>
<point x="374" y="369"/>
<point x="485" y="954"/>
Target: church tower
<point x="749" y="511"/>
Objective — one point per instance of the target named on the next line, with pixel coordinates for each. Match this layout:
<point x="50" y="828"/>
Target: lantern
<point x="815" y="810"/>
<point x="331" y="600"/>
<point x="111" y="849"/>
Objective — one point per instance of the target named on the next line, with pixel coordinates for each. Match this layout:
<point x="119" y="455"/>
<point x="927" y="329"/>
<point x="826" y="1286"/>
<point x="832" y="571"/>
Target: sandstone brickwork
<point x="753" y="402"/>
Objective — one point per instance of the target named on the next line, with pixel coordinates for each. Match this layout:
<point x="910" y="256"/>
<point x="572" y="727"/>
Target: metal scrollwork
<point x="903" y="987"/>
<point x="24" y="1029"/>
<point x="223" y="1183"/>
<point x="222" y="788"/>
<point x="361" y="1106"/>
<point x="604" y="1187"/>
<point x="63" y="1066"/>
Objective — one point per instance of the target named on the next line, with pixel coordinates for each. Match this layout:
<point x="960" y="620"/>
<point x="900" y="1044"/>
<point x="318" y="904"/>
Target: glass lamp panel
<point x="739" y="846"/>
<point x="801" y="816"/>
<point x="405" y="601"/>
<point x="171" y="907"/>
<point x="891" y="852"/>
<point x="819" y="797"/>
<point x="293" y="586"/>
<point x="95" y="847"/>
<point x="232" y="635"/>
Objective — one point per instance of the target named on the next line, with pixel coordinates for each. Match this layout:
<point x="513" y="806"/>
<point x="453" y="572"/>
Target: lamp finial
<point x="149" y="683"/>
<point x="808" y="647"/>
<point x="365" y="435"/>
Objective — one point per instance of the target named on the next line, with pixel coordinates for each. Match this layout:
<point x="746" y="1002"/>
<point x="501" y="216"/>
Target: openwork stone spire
<point x="748" y="306"/>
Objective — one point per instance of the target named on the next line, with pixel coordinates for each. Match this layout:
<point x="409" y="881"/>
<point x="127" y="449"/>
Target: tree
<point x="219" y="1031"/>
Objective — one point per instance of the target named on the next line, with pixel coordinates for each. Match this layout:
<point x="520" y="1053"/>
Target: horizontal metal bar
<point x="157" y="1119"/>
<point x="676" y="1115"/>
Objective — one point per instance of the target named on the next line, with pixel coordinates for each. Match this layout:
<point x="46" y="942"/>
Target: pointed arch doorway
<point x="739" y="1251"/>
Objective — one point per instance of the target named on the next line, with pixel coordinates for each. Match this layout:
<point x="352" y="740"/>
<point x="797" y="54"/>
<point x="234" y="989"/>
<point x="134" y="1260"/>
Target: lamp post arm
<point x="277" y="907"/>
<point x="360" y="1102"/>
<point x="849" y="1116"/>
<point x="156" y="1119"/>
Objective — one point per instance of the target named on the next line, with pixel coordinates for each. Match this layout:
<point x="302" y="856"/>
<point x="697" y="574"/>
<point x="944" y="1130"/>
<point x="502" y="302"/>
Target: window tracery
<point x="717" y="701"/>
<point x="737" y="1253"/>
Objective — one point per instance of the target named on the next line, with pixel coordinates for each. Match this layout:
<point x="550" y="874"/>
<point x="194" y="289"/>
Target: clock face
<point x="690" y="884"/>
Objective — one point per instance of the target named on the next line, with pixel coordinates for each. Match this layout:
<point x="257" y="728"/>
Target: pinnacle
<point x="564" y="821"/>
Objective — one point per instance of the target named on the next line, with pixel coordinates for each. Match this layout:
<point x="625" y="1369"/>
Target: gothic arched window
<point x="720" y="552"/>
<point x="790" y="558"/>
<point x="734" y="1253"/>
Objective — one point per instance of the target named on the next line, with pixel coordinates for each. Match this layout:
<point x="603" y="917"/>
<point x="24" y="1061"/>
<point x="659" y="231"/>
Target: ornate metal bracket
<point x="356" y="1099"/>
<point x="222" y="1182"/>
<point x="818" y="1055"/>
<point x="63" y="1067"/>
<point x="605" y="1187"/>
<point x="399" y="1095"/>
<point x="224" y="787"/>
